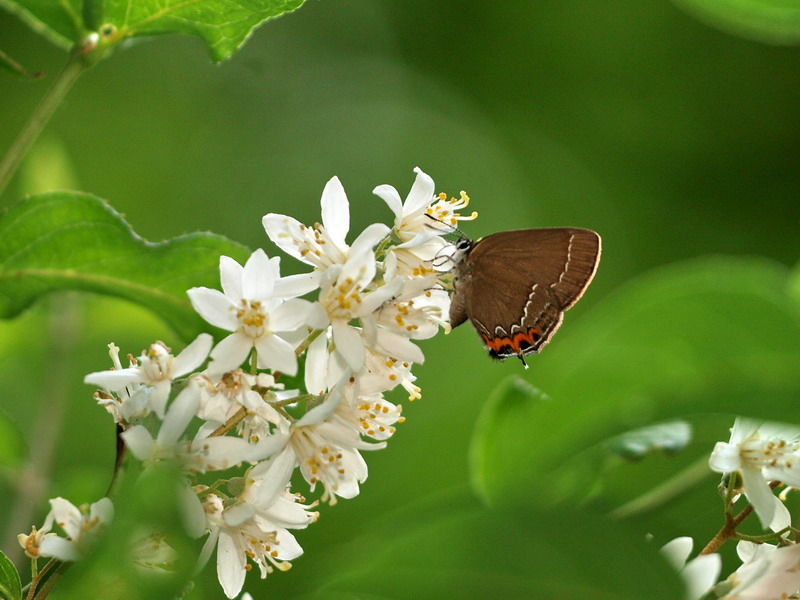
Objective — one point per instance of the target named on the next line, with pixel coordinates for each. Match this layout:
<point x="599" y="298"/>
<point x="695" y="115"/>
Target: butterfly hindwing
<point x="514" y="286"/>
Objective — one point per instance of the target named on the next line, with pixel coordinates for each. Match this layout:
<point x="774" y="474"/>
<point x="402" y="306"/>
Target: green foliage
<point x="223" y="24"/>
<point x="12" y="443"/>
<point x="447" y="545"/>
<point x="770" y="21"/>
<point x="10" y="586"/>
<point x="707" y="336"/>
<point x="74" y="241"/>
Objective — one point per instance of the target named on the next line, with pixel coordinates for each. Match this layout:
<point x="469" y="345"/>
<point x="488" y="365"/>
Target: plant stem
<point x="729" y="529"/>
<point x="41" y="115"/>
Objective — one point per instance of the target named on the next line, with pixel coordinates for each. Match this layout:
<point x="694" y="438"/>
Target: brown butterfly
<point x="514" y="286"/>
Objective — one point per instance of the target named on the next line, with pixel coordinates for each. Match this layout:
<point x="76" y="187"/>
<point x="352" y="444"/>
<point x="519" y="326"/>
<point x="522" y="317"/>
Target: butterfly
<point x="514" y="286"/>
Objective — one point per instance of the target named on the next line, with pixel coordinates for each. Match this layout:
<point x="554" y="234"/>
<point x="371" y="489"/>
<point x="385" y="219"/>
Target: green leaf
<point x="74" y="241"/>
<point x="671" y="438"/>
<point x="10" y="586"/>
<point x="223" y="24"/>
<point x="450" y="546"/>
<point x="708" y="336"/>
<point x="769" y="21"/>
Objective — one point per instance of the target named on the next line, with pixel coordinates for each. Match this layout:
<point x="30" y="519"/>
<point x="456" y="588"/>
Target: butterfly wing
<point x="521" y="282"/>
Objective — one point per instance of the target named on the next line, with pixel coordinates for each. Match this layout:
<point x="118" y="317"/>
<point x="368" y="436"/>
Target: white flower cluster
<point x="758" y="458"/>
<point x="355" y="342"/>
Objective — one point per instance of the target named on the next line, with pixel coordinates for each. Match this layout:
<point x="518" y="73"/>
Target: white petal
<point x="335" y="212"/>
<point x="725" y="458"/>
<point x="194" y="517"/>
<point x="348" y="344"/>
<point x="258" y="280"/>
<point x="399" y="347"/>
<point x="759" y="494"/>
<point x="115" y="380"/>
<point x="421" y="194"/>
<point x="67" y="516"/>
<point x="103" y="510"/>
<point x="139" y="441"/>
<point x="374" y="300"/>
<point x="743" y="429"/>
<point x="230" y="565"/>
<point x="291" y="315"/>
<point x="316" y="365"/>
<point x="159" y="396"/>
<point x="275" y="478"/>
<point x="287" y="547"/>
<point x="183" y="408"/>
<point x="238" y="514"/>
<point x="230" y="277"/>
<point x="215" y="307"/>
<point x="318" y="414"/>
<point x="286" y="233"/>
<point x="59" y="548"/>
<point x="700" y="574"/>
<point x="782" y="518"/>
<point x="192" y="356"/>
<point x="677" y="551"/>
<point x="392" y="199"/>
<point x="297" y="285"/>
<point x="368" y="238"/>
<point x="277" y="354"/>
<point x="230" y="353"/>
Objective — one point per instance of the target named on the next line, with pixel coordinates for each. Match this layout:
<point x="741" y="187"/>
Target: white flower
<point x="347" y="293"/>
<point x="761" y="452"/>
<point x="768" y="573"/>
<point x="699" y="574"/>
<point x="82" y="527"/>
<point x="420" y="222"/>
<point x="326" y="446"/>
<point x="323" y="245"/>
<point x="155" y="369"/>
<point x="236" y="543"/>
<point x="201" y="454"/>
<point x="250" y="308"/>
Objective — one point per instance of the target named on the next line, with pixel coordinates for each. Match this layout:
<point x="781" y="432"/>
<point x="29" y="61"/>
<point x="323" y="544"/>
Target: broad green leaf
<point x="10" y="586"/>
<point x="707" y="336"/>
<point x="769" y="21"/>
<point x="671" y="437"/>
<point x="75" y="241"/>
<point x="449" y="546"/>
<point x="223" y="24"/>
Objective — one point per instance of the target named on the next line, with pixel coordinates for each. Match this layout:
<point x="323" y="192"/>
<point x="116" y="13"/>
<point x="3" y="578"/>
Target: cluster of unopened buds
<point x="355" y="342"/>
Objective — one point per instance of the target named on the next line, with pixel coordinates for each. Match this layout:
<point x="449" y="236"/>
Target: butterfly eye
<point x="463" y="244"/>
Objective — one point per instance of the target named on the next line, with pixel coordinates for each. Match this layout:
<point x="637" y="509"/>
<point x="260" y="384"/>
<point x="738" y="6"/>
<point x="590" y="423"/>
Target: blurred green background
<point x="671" y="138"/>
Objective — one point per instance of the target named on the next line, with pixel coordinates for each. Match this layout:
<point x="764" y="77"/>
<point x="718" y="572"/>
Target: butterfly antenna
<point x="453" y="229"/>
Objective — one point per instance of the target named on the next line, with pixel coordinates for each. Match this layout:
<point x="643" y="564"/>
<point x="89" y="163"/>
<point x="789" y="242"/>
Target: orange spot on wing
<point x="516" y="344"/>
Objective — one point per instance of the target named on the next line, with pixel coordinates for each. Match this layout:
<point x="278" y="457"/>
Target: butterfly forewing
<point x="514" y="286"/>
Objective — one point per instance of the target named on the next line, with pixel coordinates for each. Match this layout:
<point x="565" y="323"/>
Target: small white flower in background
<point x="767" y="573"/>
<point x="152" y="553"/>
<point x="699" y="574"/>
<point x="249" y="307"/>
<point x="761" y="452"/>
<point x="155" y="370"/>
<point x="81" y="525"/>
